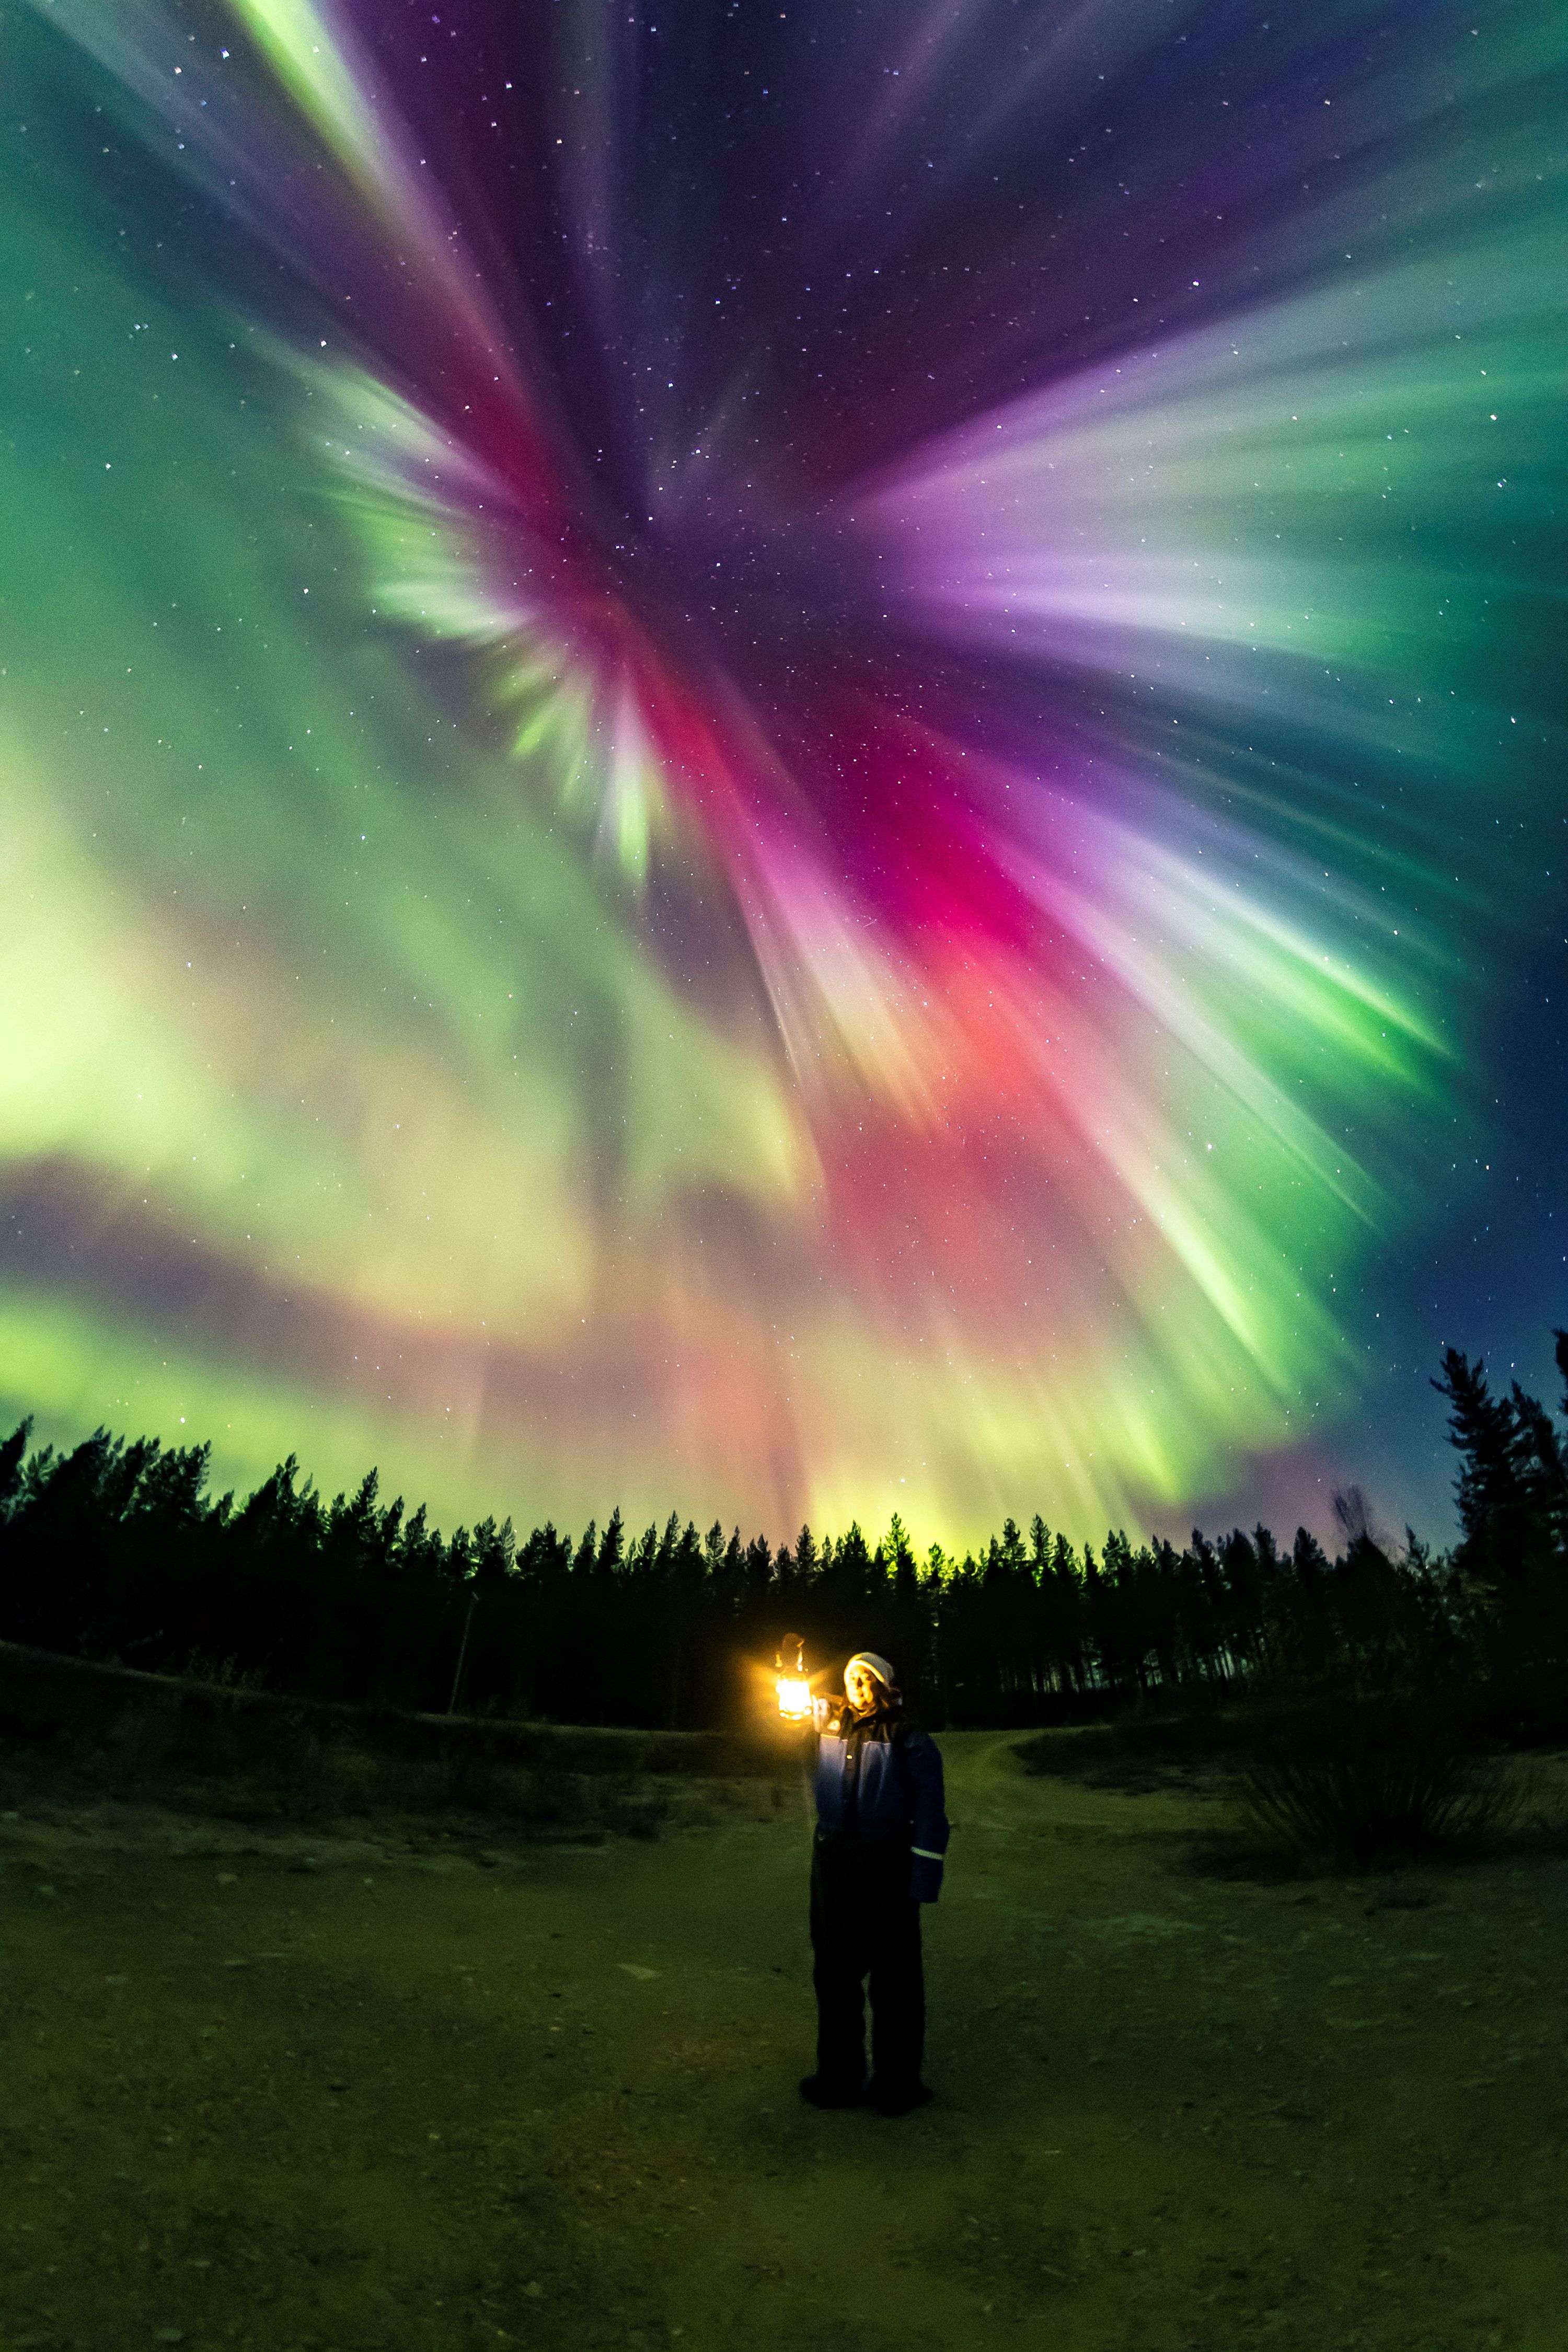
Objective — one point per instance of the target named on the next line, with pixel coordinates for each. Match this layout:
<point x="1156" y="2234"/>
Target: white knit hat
<point x="873" y="1665"/>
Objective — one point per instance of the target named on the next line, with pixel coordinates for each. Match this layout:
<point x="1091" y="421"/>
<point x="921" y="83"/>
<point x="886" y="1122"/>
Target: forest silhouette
<point x="114" y="1551"/>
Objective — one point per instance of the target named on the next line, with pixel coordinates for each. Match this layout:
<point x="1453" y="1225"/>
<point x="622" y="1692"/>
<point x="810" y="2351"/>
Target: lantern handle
<point x="798" y="1643"/>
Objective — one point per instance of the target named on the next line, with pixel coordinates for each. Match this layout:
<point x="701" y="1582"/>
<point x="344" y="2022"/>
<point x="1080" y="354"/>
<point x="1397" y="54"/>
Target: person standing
<point x="876" y="1857"/>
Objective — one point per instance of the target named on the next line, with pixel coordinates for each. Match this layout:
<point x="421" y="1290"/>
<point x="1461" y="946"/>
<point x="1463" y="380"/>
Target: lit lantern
<point x="793" y="1684"/>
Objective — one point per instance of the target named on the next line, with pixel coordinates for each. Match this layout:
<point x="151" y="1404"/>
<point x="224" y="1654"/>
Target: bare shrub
<point x="1354" y="1781"/>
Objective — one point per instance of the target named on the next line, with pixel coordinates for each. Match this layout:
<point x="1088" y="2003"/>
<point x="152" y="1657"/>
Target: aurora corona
<point x="749" y="751"/>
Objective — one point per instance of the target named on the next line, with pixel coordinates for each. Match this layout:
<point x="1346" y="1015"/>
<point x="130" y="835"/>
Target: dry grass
<point x="77" y="1728"/>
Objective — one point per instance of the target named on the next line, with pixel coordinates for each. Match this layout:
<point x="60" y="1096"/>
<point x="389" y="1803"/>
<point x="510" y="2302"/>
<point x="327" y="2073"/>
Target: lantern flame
<point x="795" y="1699"/>
<point x="794" y="1684"/>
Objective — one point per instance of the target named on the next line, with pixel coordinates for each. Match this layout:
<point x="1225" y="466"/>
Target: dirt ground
<point x="404" y="2086"/>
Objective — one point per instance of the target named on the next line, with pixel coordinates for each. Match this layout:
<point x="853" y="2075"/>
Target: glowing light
<point x="793" y="1684"/>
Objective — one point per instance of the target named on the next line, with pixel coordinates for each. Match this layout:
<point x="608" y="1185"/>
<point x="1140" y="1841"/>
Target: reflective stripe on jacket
<point x="883" y="1780"/>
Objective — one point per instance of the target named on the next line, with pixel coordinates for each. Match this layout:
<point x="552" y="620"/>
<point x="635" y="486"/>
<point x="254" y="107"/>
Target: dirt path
<point x="272" y="2090"/>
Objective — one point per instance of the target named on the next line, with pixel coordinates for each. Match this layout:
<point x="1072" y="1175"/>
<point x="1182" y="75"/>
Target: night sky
<point x="787" y="760"/>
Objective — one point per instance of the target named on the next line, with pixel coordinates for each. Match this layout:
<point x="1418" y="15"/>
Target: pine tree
<point x="1492" y="1490"/>
<point x="12" y="1456"/>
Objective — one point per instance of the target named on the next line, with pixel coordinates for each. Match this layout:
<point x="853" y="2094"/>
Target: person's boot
<point x="822" y="2091"/>
<point x="899" y="2098"/>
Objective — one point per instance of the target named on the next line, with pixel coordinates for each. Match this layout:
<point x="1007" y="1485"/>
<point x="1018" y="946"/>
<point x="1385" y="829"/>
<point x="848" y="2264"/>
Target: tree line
<point x="115" y="1551"/>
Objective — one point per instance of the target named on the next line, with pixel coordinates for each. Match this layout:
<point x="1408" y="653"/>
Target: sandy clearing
<point x="272" y="2088"/>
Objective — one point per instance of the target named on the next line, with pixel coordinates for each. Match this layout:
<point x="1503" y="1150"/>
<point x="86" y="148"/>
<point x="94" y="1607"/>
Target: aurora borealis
<point x="794" y="760"/>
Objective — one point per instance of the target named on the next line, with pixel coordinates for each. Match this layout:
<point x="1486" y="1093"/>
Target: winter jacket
<point x="879" y="1778"/>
